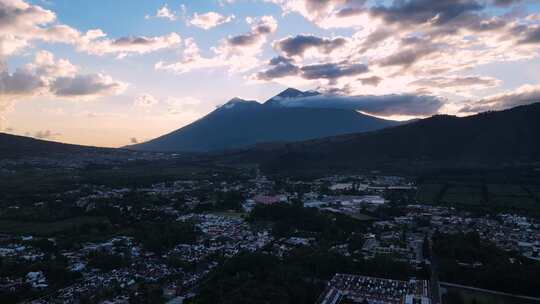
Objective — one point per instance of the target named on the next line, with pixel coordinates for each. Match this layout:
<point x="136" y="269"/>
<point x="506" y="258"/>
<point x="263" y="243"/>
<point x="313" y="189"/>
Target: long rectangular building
<point x="347" y="288"/>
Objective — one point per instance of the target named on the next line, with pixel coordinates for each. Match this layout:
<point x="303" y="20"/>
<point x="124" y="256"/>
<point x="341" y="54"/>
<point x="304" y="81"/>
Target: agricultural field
<point x="477" y="196"/>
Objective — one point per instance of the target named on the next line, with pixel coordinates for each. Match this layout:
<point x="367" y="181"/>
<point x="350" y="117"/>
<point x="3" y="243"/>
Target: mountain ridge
<point x="241" y="123"/>
<point x="492" y="137"/>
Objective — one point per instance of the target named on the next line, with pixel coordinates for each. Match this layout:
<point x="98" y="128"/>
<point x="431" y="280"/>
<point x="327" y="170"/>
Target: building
<point x="361" y="289"/>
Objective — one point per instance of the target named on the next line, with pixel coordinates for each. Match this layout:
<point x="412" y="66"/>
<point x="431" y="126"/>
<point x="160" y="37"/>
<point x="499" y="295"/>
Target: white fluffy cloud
<point x="94" y="42"/>
<point x="237" y="53"/>
<point x="166" y="13"/>
<point x="22" y="23"/>
<point x="50" y="77"/>
<point x="209" y="20"/>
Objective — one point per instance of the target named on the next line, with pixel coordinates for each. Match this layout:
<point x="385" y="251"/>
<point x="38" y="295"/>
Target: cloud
<point x="133" y="140"/>
<point x="384" y="105"/>
<point x="95" y="43"/>
<point x="22" y="23"/>
<point x="237" y="53"/>
<point x="209" y="20"/>
<point x="46" y="134"/>
<point x="506" y="2"/>
<point x="408" y="57"/>
<point x="371" y="81"/>
<point x="47" y="76"/>
<point x="88" y="86"/>
<point x="425" y="11"/>
<point x="282" y="67"/>
<point x="531" y="35"/>
<point x="523" y="95"/>
<point x="165" y="13"/>
<point x="260" y="28"/>
<point x="332" y="70"/>
<point x="321" y="12"/>
<point x="19" y="83"/>
<point x="145" y="101"/>
<point x="476" y="82"/>
<point x="298" y="45"/>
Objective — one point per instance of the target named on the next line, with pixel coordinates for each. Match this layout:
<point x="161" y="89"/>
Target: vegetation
<point x="159" y="237"/>
<point x="498" y="270"/>
<point x="298" y="278"/>
<point x="288" y="218"/>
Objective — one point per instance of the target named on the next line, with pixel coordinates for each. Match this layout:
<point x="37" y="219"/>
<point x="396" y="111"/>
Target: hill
<point x="491" y="137"/>
<point x="242" y="123"/>
<point x="18" y="146"/>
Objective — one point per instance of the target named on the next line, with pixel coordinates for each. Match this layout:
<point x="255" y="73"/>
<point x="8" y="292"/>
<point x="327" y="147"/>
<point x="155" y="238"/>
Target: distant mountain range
<point x="493" y="137"/>
<point x="242" y="123"/>
<point x="509" y="136"/>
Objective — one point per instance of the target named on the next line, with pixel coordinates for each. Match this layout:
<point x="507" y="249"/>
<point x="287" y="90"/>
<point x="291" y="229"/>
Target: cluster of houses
<point x="226" y="234"/>
<point x="221" y="234"/>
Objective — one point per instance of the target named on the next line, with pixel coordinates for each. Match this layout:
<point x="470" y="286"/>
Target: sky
<point x="113" y="73"/>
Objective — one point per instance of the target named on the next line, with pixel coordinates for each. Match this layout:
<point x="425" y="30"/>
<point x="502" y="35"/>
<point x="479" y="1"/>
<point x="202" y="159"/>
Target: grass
<point x="481" y="196"/>
<point x="48" y="228"/>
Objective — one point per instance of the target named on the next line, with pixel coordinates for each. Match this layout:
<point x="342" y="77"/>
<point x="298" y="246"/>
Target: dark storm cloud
<point x="385" y="105"/>
<point x="296" y="46"/>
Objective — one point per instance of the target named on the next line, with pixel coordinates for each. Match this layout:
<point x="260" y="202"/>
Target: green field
<point x="503" y="197"/>
<point x="48" y="228"/>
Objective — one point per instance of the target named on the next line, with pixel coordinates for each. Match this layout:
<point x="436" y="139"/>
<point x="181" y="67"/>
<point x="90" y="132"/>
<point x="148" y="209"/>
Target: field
<point x="499" y="191"/>
<point x="49" y="228"/>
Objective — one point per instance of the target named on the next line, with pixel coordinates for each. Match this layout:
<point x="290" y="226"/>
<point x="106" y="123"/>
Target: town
<point x="168" y="242"/>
